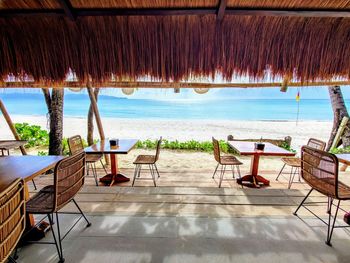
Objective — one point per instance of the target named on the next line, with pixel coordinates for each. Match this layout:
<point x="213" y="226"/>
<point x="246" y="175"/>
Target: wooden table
<point x="248" y="149"/>
<point x="103" y="147"/>
<point x="7" y="145"/>
<point x="26" y="167"/>
<point x="344" y="158"/>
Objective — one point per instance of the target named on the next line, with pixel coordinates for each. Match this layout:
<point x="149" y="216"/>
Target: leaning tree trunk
<point x="339" y="111"/>
<point x="90" y="123"/>
<point x="54" y="102"/>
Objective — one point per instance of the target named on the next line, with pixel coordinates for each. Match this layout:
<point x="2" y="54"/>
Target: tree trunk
<point x="90" y="123"/>
<point x="54" y="104"/>
<point x="339" y="111"/>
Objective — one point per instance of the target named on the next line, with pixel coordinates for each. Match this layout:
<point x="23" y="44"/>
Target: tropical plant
<point x="33" y="134"/>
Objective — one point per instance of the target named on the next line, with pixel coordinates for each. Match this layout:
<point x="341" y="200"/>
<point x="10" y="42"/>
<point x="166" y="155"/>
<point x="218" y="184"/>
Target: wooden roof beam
<point x="68" y="9"/>
<point x="178" y="11"/>
<point x="167" y="85"/>
<point x="221" y="9"/>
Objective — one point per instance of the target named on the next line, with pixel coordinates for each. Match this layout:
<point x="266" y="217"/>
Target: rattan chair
<point x="12" y="219"/>
<point x="295" y="162"/>
<point x="75" y="144"/>
<point x="320" y="170"/>
<point x="149" y="160"/>
<point x="68" y="180"/>
<point x="224" y="161"/>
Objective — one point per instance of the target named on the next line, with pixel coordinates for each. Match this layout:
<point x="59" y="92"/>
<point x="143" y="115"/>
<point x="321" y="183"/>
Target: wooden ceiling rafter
<point x="68" y="9"/>
<point x="221" y="10"/>
<point x="293" y="12"/>
<point x="171" y="85"/>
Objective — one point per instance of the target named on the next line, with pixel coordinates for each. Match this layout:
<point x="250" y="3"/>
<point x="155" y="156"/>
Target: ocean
<point x="76" y="105"/>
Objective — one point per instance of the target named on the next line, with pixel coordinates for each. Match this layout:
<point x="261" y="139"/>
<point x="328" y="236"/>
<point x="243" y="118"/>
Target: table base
<point x="35" y="234"/>
<point x="253" y="180"/>
<point x="111" y="179"/>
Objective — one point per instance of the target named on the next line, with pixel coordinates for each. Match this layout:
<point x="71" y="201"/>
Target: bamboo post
<point x="340" y="131"/>
<point x="97" y="115"/>
<point x="10" y="124"/>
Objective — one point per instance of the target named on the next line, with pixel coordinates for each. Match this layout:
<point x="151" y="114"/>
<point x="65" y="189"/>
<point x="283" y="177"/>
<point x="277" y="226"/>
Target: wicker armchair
<point x="149" y="160"/>
<point x="12" y="219"/>
<point x="320" y="170"/>
<point x="75" y="144"/>
<point x="295" y="162"/>
<point x="68" y="180"/>
<point x="224" y="161"/>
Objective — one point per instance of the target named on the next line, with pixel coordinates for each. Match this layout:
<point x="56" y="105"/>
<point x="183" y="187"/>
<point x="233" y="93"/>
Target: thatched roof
<point x="175" y="47"/>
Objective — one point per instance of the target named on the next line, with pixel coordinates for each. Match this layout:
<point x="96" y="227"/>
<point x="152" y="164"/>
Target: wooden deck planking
<point x="192" y="193"/>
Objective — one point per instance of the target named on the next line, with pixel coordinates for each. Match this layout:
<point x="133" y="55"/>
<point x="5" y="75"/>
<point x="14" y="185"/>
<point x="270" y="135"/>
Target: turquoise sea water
<point x="219" y="109"/>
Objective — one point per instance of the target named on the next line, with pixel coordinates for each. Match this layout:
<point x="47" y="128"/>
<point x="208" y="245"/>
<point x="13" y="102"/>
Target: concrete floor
<point x="194" y="239"/>
<point x="189" y="219"/>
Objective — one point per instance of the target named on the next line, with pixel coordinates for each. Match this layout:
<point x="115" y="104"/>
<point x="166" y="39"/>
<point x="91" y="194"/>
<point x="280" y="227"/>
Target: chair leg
<point x="103" y="166"/>
<point x="233" y="171"/>
<point x="329" y="207"/>
<point x="95" y="173"/>
<point x="152" y="174"/>
<point x="139" y="171"/>
<point x="223" y="168"/>
<point x="135" y="174"/>
<point x="59" y="236"/>
<point x="291" y="177"/>
<point x="87" y="169"/>
<point x="215" y="170"/>
<point x="155" y="166"/>
<point x="12" y="260"/>
<point x="82" y="213"/>
<point x="34" y="184"/>
<point x="280" y="172"/>
<point x="239" y="172"/>
<point x="55" y="239"/>
<point x="302" y="202"/>
<point x="330" y="229"/>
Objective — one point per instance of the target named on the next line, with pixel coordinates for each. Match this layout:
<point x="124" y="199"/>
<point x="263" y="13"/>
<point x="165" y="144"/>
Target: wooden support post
<point x="10" y="124"/>
<point x="340" y="132"/>
<point x="97" y="115"/>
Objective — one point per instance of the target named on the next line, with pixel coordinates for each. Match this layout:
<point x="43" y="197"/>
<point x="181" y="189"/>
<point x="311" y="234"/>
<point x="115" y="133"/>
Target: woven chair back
<point x="216" y="147"/>
<point x="320" y="170"/>
<point x="68" y="179"/>
<point x="75" y="144"/>
<point x="12" y="218"/>
<point x="316" y="144"/>
<point x="159" y="143"/>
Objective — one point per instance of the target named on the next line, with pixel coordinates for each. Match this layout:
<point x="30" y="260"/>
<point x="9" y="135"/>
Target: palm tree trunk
<point x="90" y="122"/>
<point x="339" y="111"/>
<point x="54" y="102"/>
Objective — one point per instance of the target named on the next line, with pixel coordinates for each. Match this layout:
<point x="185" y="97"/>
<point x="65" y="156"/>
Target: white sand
<point x="187" y="129"/>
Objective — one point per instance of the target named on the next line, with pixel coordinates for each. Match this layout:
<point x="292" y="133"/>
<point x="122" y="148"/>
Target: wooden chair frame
<point x="68" y="180"/>
<point x="295" y="162"/>
<point x="151" y="165"/>
<point x="75" y="144"/>
<point x="218" y="158"/>
<point x="12" y="219"/>
<point x="328" y="185"/>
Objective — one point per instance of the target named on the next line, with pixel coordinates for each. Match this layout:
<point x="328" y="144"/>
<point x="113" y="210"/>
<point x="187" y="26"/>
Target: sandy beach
<point x="182" y="130"/>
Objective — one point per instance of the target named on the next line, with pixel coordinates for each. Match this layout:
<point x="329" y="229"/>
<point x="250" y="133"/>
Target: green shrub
<point x="340" y="150"/>
<point x="42" y="153"/>
<point x="286" y="146"/>
<point x="192" y="145"/>
<point x="33" y="134"/>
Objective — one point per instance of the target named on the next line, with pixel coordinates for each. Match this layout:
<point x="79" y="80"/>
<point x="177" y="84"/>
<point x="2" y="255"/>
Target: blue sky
<point x="189" y="94"/>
